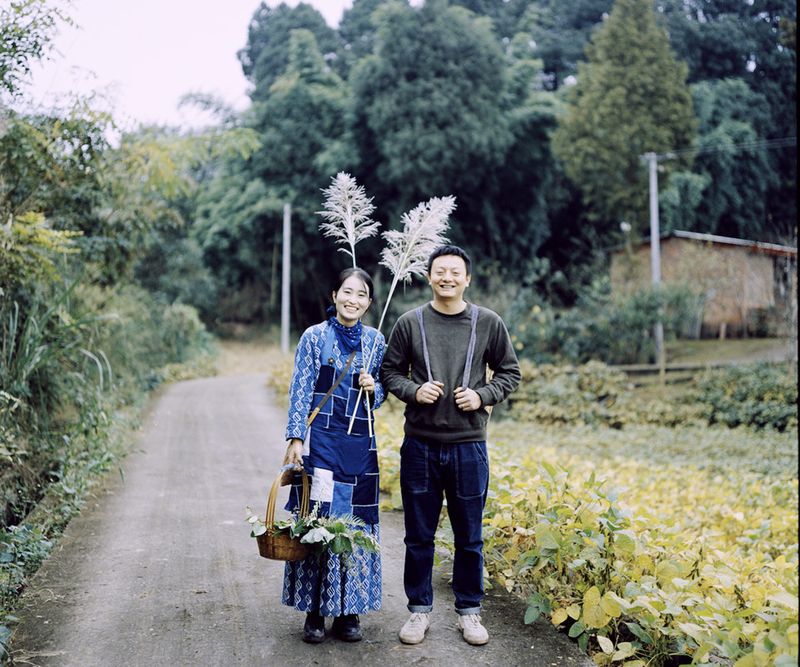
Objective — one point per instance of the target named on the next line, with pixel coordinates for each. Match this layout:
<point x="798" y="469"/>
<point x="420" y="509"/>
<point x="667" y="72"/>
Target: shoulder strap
<point x="325" y="398"/>
<point x="471" y="347"/>
<point x="425" y="356"/>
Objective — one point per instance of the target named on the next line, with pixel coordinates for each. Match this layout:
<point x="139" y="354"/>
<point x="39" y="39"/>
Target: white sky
<point x="141" y="56"/>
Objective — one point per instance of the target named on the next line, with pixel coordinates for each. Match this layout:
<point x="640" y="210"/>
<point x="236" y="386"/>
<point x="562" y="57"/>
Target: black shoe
<point x="347" y="628"/>
<point x="314" y="628"/>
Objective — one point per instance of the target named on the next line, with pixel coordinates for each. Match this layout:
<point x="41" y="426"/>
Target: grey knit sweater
<point x="447" y="337"/>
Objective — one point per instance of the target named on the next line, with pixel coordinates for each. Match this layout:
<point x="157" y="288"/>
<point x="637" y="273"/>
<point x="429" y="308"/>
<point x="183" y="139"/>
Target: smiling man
<point x="436" y="362"/>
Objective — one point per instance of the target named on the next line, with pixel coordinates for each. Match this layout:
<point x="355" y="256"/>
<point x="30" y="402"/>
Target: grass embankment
<point x="76" y="375"/>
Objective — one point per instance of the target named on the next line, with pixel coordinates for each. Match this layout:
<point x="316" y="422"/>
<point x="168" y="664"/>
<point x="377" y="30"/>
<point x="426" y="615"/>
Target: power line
<point x="767" y="144"/>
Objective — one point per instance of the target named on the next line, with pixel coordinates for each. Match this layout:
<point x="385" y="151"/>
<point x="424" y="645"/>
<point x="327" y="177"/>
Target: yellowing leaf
<point x="574" y="611"/>
<point x="694" y="631"/>
<point x="624" y="543"/>
<point x="606" y="644"/>
<point x="786" y="599"/>
<point x="593" y="614"/>
<point x="624" y="650"/>
<point x="610" y="605"/>
<point x="666" y="571"/>
<point x="545" y="538"/>
<point x="559" y="616"/>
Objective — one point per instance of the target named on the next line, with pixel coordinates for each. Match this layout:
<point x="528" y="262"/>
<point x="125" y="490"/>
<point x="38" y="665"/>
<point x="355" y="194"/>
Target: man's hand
<point x="467" y="399"/>
<point x="429" y="392"/>
<point x="366" y="381"/>
<point x="294" y="454"/>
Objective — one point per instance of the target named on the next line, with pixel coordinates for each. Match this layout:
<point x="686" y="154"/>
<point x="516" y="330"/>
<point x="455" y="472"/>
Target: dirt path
<point x="159" y="569"/>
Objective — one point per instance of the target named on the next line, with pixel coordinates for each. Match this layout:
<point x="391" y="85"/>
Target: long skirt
<point x="335" y="585"/>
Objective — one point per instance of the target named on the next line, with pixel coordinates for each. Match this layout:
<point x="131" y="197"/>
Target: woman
<point x="343" y="467"/>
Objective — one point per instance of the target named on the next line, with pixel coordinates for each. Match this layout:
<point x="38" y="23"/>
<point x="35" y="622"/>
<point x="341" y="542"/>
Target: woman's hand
<point x="294" y="454"/>
<point x="366" y="381"/>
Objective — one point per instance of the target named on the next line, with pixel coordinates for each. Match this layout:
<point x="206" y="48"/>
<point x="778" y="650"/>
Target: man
<point x="436" y="363"/>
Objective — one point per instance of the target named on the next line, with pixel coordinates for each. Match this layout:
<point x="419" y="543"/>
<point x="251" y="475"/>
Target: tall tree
<point x="631" y="98"/>
<point x="27" y="28"/>
<point x="753" y="42"/>
<point x="428" y="117"/>
<point x="560" y="32"/>
<point x="300" y="121"/>
<point x="726" y="191"/>
<point x="266" y="55"/>
<point x="357" y="31"/>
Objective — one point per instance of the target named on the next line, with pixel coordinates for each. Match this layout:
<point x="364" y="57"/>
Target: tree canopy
<point x="631" y="98"/>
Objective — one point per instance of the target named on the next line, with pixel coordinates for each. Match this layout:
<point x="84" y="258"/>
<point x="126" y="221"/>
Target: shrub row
<point x="72" y="364"/>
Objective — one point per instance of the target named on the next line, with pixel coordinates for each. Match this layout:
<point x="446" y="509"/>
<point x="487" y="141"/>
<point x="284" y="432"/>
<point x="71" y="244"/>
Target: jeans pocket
<point x="472" y="470"/>
<point x="414" y="473"/>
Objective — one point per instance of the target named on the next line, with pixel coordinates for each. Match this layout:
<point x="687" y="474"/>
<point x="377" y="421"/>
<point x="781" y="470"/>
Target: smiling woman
<point x="330" y="370"/>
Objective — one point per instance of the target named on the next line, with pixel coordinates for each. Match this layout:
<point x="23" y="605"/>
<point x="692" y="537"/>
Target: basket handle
<point x="269" y="519"/>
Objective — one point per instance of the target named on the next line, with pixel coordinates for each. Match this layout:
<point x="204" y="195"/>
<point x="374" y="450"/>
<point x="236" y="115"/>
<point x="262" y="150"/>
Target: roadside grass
<point x="53" y="461"/>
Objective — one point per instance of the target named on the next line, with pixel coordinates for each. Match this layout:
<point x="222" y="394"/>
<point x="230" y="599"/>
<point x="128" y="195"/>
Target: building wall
<point x="733" y="279"/>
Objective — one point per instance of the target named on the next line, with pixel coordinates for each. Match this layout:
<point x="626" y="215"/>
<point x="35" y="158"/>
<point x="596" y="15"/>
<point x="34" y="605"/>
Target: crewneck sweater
<point x="447" y="336"/>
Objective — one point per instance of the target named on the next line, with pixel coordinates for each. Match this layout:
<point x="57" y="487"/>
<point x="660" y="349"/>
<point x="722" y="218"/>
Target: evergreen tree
<point x="631" y="98"/>
<point x="357" y="31"/>
<point x="726" y="191"/>
<point x="266" y="54"/>
<point x="753" y="42"/>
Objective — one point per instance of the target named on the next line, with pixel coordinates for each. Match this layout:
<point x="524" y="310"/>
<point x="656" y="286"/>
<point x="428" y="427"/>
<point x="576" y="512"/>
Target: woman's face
<point x="351" y="300"/>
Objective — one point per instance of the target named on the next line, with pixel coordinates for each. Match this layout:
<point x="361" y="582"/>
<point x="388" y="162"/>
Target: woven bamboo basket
<point x="280" y="546"/>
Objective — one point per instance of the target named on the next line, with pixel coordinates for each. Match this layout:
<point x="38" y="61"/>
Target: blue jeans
<point x="429" y="471"/>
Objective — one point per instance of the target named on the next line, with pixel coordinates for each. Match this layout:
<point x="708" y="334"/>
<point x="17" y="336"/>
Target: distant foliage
<point x="566" y="394"/>
<point x="613" y="117"/>
<point x="591" y="394"/>
<point x="760" y="395"/>
<point x="613" y="328"/>
<point x="29" y="249"/>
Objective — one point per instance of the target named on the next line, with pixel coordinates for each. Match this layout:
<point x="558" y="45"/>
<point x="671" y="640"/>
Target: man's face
<point x="448" y="277"/>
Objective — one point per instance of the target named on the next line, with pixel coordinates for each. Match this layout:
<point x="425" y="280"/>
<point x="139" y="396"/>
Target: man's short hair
<point x="450" y="250"/>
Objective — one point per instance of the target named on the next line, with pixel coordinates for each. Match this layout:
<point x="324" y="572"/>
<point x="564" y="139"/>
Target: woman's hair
<point x="358" y="273"/>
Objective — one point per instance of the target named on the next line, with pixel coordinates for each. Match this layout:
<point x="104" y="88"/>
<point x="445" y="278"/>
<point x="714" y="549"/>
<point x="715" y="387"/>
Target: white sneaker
<point x="414" y="629"/>
<point x="470" y="626"/>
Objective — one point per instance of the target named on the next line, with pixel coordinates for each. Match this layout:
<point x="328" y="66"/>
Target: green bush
<point x="757" y="395"/>
<point x="615" y="329"/>
<point x="567" y="394"/>
<point x="592" y="394"/>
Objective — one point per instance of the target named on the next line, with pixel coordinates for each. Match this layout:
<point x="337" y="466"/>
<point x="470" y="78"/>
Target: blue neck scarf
<point x="349" y="337"/>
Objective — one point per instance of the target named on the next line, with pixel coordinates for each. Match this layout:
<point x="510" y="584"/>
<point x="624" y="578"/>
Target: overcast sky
<point x="142" y="55"/>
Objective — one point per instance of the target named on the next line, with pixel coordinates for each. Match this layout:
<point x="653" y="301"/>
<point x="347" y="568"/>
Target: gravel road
<point x="159" y="568"/>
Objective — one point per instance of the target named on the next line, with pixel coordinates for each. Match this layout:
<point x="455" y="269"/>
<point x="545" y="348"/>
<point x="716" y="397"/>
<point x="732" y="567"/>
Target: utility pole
<point x="286" y="276"/>
<point x="655" y="262"/>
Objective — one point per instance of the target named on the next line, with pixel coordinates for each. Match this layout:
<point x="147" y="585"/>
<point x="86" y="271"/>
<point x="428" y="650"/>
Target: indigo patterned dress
<point x="343" y="470"/>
